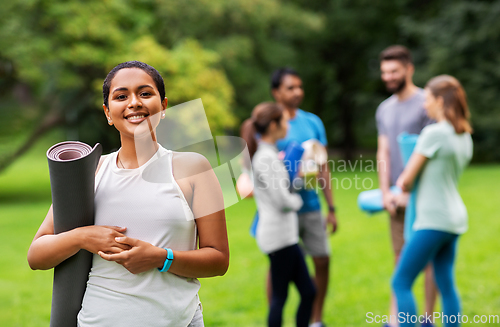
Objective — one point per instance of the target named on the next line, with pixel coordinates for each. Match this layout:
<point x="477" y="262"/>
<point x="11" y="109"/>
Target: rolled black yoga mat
<point x="72" y="168"/>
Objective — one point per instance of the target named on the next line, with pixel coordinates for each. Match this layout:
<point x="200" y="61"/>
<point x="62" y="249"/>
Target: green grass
<point x="361" y="257"/>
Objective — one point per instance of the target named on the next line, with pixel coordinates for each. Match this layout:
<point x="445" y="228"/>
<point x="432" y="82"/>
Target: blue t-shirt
<point x="305" y="126"/>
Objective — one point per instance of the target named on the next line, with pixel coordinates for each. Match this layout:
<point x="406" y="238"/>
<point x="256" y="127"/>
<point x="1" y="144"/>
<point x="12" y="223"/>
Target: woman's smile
<point x="136" y="118"/>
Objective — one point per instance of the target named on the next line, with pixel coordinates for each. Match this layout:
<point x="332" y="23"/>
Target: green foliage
<point x="62" y="50"/>
<point x="253" y="37"/>
<point x="342" y="80"/>
<point x="54" y="55"/>
<point x="189" y="72"/>
<point x="461" y="39"/>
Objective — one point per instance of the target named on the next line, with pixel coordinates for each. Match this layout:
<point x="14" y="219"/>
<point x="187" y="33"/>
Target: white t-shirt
<point x="149" y="202"/>
<point x="278" y="220"/>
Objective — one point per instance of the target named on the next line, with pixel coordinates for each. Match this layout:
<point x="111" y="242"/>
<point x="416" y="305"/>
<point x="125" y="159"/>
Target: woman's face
<point x="433" y="105"/>
<point x="134" y="99"/>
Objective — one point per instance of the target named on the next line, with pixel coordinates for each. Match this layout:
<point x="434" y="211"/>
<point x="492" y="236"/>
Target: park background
<point x="55" y="54"/>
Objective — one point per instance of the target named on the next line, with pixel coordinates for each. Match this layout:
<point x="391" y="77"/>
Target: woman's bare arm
<point x="48" y="250"/>
<point x="411" y="171"/>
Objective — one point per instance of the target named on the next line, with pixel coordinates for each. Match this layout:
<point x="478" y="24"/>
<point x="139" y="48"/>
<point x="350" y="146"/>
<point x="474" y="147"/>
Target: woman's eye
<point x="145" y="94"/>
<point x="121" y="97"/>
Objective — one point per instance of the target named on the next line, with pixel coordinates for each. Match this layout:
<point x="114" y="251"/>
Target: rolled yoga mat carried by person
<point x="371" y="201"/>
<point x="407" y="144"/>
<point x="72" y="167"/>
<point x="292" y="159"/>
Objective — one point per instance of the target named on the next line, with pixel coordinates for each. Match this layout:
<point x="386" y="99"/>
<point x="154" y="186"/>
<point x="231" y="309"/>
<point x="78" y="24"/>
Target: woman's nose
<point x="135" y="101"/>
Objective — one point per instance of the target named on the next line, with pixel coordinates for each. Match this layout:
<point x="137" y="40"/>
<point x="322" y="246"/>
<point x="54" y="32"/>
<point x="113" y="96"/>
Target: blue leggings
<point x="288" y="265"/>
<point x="425" y="246"/>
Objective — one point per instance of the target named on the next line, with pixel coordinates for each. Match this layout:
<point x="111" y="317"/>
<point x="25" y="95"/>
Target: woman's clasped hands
<point x="136" y="256"/>
<point x="111" y="244"/>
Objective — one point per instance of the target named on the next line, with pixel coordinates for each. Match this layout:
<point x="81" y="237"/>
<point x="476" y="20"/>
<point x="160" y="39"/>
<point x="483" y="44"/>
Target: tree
<point x="55" y="54"/>
<point x="253" y="37"/>
<point x="461" y="39"/>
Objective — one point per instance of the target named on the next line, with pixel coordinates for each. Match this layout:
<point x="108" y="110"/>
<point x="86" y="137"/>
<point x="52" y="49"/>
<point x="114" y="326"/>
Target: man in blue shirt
<point x="286" y="88"/>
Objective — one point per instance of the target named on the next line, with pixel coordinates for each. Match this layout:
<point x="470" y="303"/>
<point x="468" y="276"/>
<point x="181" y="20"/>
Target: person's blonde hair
<point x="456" y="110"/>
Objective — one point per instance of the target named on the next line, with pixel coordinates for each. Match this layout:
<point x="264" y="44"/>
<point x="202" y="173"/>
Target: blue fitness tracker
<point x="168" y="260"/>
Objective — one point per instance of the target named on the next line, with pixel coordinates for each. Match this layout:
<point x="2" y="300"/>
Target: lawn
<point x="361" y="257"/>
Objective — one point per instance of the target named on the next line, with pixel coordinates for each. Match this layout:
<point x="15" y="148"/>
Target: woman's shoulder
<point x="434" y="128"/>
<point x="436" y="131"/>
<point x="265" y="152"/>
<point x="190" y="158"/>
<point x="189" y="163"/>
<point x="101" y="161"/>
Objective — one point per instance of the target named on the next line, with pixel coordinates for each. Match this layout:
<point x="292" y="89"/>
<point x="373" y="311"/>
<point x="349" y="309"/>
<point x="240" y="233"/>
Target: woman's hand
<point x="102" y="238"/>
<point x="401" y="200"/>
<point x="139" y="257"/>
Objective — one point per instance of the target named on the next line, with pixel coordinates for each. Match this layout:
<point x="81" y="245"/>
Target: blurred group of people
<point x="291" y="215"/>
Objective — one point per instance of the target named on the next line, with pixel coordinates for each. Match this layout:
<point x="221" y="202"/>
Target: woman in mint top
<point x="442" y="152"/>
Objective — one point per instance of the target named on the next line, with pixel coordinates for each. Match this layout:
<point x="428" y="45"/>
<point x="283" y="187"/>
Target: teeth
<point x="135" y="117"/>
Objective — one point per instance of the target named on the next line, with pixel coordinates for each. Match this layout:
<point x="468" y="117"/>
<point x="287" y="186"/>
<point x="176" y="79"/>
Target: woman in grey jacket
<point x="277" y="231"/>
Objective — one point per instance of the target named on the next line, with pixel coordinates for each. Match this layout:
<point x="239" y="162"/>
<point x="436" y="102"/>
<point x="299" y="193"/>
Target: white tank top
<point x="149" y="202"/>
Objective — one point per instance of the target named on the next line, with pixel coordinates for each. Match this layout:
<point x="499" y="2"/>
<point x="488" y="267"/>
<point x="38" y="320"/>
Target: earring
<point x="110" y="122"/>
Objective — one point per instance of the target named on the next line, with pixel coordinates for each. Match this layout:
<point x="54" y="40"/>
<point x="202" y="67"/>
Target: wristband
<point x="168" y="260"/>
<point x="331" y="208"/>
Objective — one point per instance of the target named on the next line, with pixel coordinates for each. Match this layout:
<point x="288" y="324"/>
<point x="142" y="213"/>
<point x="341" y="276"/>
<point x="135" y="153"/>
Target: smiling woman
<point x="171" y="232"/>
